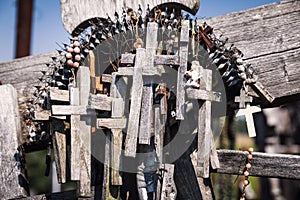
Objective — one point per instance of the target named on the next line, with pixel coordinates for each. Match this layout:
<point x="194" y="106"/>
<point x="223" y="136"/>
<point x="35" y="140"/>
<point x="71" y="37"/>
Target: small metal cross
<point x="243" y="99"/>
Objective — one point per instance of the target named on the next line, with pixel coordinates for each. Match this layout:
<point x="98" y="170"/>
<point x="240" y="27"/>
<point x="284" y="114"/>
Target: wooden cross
<point x="116" y="123"/>
<point x="203" y="35"/>
<point x="243" y="99"/>
<point x="247" y="112"/>
<point x="206" y="147"/>
<point x="80" y="130"/>
<point x="183" y="59"/>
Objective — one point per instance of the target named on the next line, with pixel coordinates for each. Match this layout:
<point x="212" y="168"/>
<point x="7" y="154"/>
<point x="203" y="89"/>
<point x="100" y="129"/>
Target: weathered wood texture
<point x="10" y="128"/>
<point x="74" y="13"/>
<point x="263" y="164"/>
<point x="273" y="49"/>
<point x="269" y="38"/>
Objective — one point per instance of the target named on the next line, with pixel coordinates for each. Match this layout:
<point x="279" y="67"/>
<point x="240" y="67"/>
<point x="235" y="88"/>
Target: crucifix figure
<point x="247" y="112"/>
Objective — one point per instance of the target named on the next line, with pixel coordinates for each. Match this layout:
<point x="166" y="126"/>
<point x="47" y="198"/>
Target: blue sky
<point x="48" y="28"/>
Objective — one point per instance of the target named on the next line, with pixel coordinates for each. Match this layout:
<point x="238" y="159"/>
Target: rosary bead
<point x="249" y="156"/>
<point x="77" y="50"/>
<point x="246" y="173"/>
<point x="77" y="58"/>
<point x="250" y="150"/>
<point x="76" y="64"/>
<point x="70" y="49"/>
<point x="75" y="38"/>
<point x="68" y="55"/>
<point x="76" y="44"/>
<point x="70" y="62"/>
<point x="246" y="182"/>
<point x="248" y="165"/>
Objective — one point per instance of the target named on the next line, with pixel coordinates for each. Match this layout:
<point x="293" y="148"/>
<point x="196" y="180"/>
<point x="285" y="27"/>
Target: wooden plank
<point x="128" y="58"/>
<point x="83" y="12"/>
<point x="117" y="108"/>
<point x="118" y="89"/>
<point x="275" y="63"/>
<point x="42" y="115"/>
<point x="100" y="102"/>
<point x="204" y="130"/>
<point x="23" y="73"/>
<point x="183" y="56"/>
<point x="203" y="94"/>
<point x="262" y="164"/>
<point x="169" y="190"/>
<point x="75" y="136"/>
<point x="135" y="107"/>
<point x="83" y="81"/>
<point x="59" y="95"/>
<point x="128" y="71"/>
<point x="146" y="115"/>
<point x="11" y="176"/>
<point x="117" y="139"/>
<point x="111" y="123"/>
<point x="158" y="132"/>
<point x="60" y="155"/>
<point x="69" y="110"/>
<point x="106" y="78"/>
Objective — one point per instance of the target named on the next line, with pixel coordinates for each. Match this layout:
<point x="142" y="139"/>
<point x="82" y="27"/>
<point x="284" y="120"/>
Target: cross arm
<point x="203" y="94"/>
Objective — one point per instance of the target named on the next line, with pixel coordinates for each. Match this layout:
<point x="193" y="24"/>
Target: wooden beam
<point x="111" y="123"/>
<point x="59" y="95"/>
<point x="128" y="58"/>
<point x="135" y="107"/>
<point x="11" y="177"/>
<point x="100" y="102"/>
<point x="273" y="50"/>
<point x="263" y="164"/>
<point x="99" y="8"/>
<point x="203" y="94"/>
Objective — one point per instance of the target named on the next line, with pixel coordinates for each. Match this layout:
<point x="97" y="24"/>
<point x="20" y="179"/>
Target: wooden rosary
<point x="246" y="173"/>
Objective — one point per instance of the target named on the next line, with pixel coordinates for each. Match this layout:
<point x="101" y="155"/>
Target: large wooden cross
<point x="206" y="146"/>
<point x="80" y="130"/>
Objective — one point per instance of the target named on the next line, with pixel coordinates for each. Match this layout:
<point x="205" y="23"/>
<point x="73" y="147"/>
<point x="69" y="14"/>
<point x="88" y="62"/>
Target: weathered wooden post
<point x="80" y="131"/>
<point x="13" y="182"/>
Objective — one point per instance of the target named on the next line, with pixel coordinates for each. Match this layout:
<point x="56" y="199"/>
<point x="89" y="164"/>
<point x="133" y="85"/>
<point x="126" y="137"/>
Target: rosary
<point x="246" y="173"/>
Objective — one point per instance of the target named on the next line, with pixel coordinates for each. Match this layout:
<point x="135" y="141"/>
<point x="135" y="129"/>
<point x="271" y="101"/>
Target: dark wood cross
<point x="202" y="34"/>
<point x="243" y="99"/>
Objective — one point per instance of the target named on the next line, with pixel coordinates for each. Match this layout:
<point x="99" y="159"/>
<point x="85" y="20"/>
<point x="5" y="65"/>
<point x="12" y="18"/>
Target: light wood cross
<point x="247" y="112"/>
<point x="206" y="146"/>
<point x="80" y="130"/>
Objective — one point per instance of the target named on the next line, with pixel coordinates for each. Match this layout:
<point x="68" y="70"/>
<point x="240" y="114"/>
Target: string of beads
<point x="246" y="173"/>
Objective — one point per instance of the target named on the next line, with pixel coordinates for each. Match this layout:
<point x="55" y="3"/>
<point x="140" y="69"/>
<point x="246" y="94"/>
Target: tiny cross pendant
<point x="243" y="99"/>
<point x="247" y="112"/>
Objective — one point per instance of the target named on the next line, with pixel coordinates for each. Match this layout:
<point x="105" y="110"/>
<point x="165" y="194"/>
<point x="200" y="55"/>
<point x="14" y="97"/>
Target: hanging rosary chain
<point x="248" y="166"/>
